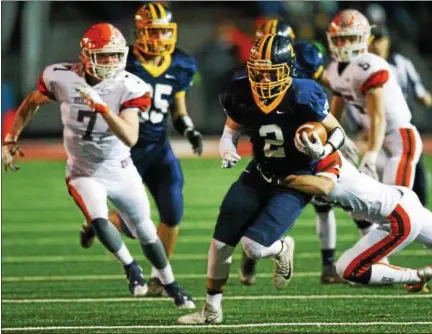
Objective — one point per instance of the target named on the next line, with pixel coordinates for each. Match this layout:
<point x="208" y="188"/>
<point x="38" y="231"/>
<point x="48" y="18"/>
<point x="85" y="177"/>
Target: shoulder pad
<point x="370" y="71"/>
<point x="234" y="98"/>
<point x="312" y="98"/>
<point x="133" y="84"/>
<point x="308" y="60"/>
<point x="183" y="60"/>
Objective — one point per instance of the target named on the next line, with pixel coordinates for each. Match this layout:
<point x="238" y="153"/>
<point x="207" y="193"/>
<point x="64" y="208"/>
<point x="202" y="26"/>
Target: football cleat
<point x="180" y="297"/>
<point x="135" y="277"/>
<point x="330" y="276"/>
<point x="87" y="235"/>
<point x="247" y="270"/>
<point x="155" y="288"/>
<point x="207" y="316"/>
<point x="426" y="275"/>
<point x="284" y="264"/>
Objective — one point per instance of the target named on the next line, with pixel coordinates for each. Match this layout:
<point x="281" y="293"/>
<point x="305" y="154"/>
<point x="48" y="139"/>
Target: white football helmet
<point x="348" y="35"/>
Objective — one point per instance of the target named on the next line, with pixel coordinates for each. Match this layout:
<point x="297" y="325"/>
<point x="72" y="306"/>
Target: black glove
<point x="195" y="138"/>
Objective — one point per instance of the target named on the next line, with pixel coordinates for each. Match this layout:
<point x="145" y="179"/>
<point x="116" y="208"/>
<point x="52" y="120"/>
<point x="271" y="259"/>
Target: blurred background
<point x="218" y="34"/>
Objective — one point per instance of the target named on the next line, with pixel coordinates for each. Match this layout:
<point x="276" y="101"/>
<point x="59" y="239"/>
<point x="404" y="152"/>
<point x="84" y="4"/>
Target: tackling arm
<point x="310" y="184"/>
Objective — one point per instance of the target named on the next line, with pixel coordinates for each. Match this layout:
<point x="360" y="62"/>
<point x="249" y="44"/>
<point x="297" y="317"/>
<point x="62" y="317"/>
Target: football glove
<point x="315" y="149"/>
<point x="10" y="149"/>
<point x="230" y="159"/>
<point x="368" y="164"/>
<point x="92" y="98"/>
<point x="196" y="140"/>
<point x="350" y="151"/>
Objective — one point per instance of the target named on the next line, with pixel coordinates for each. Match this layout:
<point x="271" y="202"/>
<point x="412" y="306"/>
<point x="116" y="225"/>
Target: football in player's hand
<point x="313" y="127"/>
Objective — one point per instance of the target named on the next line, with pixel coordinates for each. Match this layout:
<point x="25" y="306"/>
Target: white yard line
<point x="271" y="324"/>
<point x="66" y="278"/>
<point x="176" y="257"/>
<point x="265" y="297"/>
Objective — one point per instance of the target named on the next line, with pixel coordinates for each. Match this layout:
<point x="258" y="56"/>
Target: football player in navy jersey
<point x="169" y="71"/>
<point x="309" y="64"/>
<point x="268" y="105"/>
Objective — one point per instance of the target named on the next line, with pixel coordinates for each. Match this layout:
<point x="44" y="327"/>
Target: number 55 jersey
<point x="173" y="77"/>
<point x="402" y="143"/>
<point x="87" y="137"/>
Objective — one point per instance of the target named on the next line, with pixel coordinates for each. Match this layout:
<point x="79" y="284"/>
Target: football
<point x="313" y="127"/>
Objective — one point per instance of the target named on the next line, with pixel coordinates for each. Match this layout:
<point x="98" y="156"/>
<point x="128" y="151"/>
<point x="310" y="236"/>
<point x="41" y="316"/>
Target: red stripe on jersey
<point x="142" y="102"/>
<point x="330" y="164"/>
<point x="44" y="90"/>
<point x="377" y="79"/>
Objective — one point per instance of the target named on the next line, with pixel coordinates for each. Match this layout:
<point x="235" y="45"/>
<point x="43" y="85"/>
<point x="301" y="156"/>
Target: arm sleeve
<point x="45" y="84"/>
<point x="137" y="95"/>
<point x="330" y="166"/>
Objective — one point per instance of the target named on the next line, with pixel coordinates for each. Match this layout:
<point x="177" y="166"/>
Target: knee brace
<point x="253" y="249"/>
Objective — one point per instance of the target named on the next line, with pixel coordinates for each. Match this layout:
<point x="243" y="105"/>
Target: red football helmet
<point x="348" y="35"/>
<point x="103" y="51"/>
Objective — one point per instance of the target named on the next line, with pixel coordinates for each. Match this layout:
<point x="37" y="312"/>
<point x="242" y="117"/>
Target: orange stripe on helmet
<point x="269" y="47"/>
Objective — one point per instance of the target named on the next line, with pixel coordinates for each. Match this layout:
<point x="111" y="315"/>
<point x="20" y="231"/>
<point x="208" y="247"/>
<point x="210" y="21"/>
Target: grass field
<point x="51" y="285"/>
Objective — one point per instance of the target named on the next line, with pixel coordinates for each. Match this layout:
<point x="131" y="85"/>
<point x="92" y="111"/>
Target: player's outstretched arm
<point x="24" y="114"/>
<point x="184" y="125"/>
<point x="315" y="185"/>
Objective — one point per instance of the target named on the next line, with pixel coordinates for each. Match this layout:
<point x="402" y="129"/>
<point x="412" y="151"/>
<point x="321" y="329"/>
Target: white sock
<point x="382" y="273"/>
<point x="166" y="275"/>
<point x="123" y="255"/>
<point x="274" y="250"/>
<point x="215" y="301"/>
<point x="326" y="229"/>
<point x="154" y="273"/>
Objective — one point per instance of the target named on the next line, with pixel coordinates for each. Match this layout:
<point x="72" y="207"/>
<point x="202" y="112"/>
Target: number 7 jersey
<point x="87" y="136"/>
<point x="352" y="80"/>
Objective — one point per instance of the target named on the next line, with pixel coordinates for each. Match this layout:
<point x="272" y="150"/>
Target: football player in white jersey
<point x="99" y="106"/>
<point x="366" y="83"/>
<point x="397" y="210"/>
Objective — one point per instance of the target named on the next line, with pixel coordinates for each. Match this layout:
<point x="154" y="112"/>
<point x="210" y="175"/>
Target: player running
<point x="99" y="108"/>
<point x="169" y="72"/>
<point x="268" y="105"/>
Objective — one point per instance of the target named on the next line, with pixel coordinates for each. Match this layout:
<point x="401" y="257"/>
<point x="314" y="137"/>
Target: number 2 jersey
<point x="272" y="134"/>
<point x="172" y="78"/>
<point x="87" y="136"/>
<point x="352" y="80"/>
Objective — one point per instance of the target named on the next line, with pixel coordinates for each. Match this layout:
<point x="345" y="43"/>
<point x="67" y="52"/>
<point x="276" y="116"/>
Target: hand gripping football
<point x="313" y="127"/>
